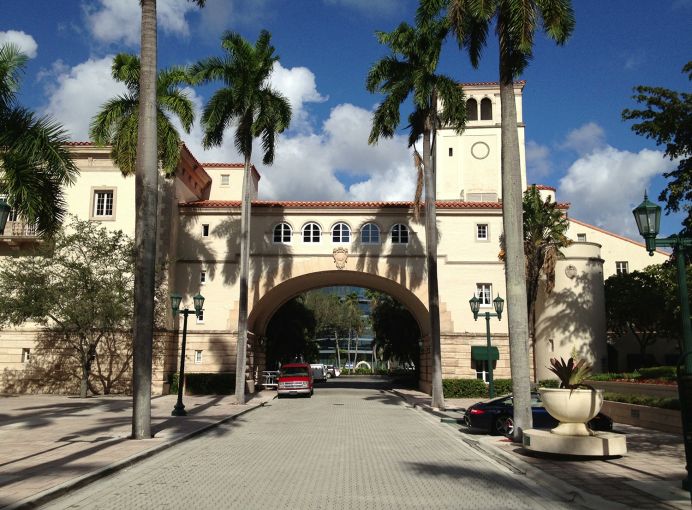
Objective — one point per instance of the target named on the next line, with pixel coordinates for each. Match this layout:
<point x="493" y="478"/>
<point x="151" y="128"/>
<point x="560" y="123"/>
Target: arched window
<point x="341" y="233"/>
<point x="486" y="109"/>
<point x="282" y="233"/>
<point x="399" y="234"/>
<point x="370" y="234"/>
<point x="471" y="109"/>
<point x="311" y="233"/>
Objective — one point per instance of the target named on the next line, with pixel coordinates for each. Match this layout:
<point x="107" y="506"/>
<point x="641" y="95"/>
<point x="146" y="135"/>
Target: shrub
<point x="502" y="386"/>
<point x="549" y="383"/>
<point x="362" y="371"/>
<point x="666" y="373"/>
<point x="205" y="384"/>
<point x="464" y="388"/>
<point x="643" y="400"/>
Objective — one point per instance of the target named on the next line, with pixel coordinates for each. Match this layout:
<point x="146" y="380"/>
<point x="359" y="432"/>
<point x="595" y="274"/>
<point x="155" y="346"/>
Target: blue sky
<point x="574" y="95"/>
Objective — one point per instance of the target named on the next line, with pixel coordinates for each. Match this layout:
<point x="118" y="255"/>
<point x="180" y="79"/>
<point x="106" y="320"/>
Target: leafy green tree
<point x="35" y="163"/>
<point x="257" y="110"/>
<point x="515" y="23"/>
<point x="667" y="119"/>
<point x="146" y="209"/>
<point x="438" y="101"/>
<point x="334" y="317"/>
<point x="396" y="331"/>
<point x="116" y="123"/>
<point x="642" y="304"/>
<point x="78" y="288"/>
<point x="291" y="334"/>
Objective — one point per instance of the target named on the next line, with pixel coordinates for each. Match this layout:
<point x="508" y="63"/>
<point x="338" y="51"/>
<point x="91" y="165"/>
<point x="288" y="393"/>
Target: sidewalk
<point x="648" y="477"/>
<point x="51" y="443"/>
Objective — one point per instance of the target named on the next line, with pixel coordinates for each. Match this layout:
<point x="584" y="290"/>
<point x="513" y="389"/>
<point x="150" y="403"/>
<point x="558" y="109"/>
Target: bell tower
<point x="468" y="165"/>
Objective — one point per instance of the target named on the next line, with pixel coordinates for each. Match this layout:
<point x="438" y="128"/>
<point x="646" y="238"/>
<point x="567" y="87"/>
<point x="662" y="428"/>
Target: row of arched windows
<point x="341" y="233"/>
<point x="486" y="109"/>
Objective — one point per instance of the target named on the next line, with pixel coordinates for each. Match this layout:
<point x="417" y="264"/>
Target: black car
<point x="496" y="416"/>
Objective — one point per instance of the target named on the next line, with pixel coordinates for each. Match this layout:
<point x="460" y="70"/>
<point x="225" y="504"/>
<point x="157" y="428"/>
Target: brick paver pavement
<point x="343" y="448"/>
<point x="47" y="441"/>
<point x="648" y="477"/>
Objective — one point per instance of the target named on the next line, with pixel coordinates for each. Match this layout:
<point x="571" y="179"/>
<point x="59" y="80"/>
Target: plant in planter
<point x="574" y="403"/>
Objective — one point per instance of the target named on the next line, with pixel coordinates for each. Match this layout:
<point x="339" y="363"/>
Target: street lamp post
<point x="198" y="302"/>
<point x="498" y="304"/>
<point x="648" y="218"/>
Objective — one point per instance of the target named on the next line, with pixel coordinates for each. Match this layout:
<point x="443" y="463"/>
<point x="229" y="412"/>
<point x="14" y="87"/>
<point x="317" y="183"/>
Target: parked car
<point x="319" y="372"/>
<point x="295" y="379"/>
<point x="333" y="371"/>
<point x="496" y="416"/>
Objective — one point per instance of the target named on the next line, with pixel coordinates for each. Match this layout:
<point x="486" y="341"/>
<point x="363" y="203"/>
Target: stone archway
<point x="264" y="308"/>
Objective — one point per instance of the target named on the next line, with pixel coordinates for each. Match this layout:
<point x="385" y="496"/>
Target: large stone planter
<point x="572" y="408"/>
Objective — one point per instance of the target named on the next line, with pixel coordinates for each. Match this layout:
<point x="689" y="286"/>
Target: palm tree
<point x="116" y="124"/>
<point x="146" y="204"/>
<point x="258" y="111"/>
<point x="410" y="70"/>
<point x="545" y="227"/>
<point x="516" y="22"/>
<point x="35" y="162"/>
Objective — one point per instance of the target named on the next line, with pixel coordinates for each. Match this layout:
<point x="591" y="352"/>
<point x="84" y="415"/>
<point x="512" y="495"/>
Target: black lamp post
<point x="198" y="300"/>
<point x="499" y="305"/>
<point x="4" y="214"/>
<point x="648" y="218"/>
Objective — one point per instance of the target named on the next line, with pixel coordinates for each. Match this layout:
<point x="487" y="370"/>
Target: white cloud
<point x="537" y="161"/>
<point x="77" y="93"/>
<point x="607" y="184"/>
<point x="298" y="85"/>
<point x="119" y="20"/>
<point x="307" y="162"/>
<point x="26" y="43"/>
<point x="585" y="139"/>
<point x="220" y="15"/>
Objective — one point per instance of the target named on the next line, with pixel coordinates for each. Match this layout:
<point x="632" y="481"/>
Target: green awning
<point x="480" y="353"/>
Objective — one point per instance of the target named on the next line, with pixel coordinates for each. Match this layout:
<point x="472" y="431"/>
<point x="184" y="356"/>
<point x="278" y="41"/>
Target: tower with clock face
<point x="468" y="165"/>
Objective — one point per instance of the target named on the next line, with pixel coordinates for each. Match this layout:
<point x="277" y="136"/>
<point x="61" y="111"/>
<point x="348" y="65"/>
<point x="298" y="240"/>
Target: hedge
<point x="475" y="388"/>
<point x="663" y="373"/>
<point x="205" y="384"/>
<point x="463" y="388"/>
<point x="642" y="400"/>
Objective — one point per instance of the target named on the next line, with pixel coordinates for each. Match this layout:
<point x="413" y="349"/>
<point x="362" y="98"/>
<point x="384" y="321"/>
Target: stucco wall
<point x="572" y="317"/>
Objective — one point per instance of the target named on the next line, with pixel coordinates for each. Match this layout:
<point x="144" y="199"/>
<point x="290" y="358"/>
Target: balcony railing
<point x="19" y="229"/>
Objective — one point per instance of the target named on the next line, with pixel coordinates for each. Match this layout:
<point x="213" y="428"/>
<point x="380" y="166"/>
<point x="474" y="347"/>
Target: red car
<point x="295" y="379"/>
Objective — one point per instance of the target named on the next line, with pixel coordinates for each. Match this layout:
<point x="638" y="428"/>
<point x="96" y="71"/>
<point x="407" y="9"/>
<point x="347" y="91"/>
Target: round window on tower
<point x="480" y="150"/>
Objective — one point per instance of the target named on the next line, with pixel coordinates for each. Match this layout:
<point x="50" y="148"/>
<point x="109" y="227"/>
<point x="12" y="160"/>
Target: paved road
<point x="346" y="447"/>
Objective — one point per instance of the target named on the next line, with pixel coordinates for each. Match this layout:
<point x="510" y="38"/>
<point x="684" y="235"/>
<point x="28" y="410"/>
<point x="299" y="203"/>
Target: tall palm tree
<point x="146" y="204"/>
<point x="258" y="111"/>
<point x="117" y="122"/>
<point x="34" y="161"/>
<point x="515" y="22"/>
<point x="438" y="101"/>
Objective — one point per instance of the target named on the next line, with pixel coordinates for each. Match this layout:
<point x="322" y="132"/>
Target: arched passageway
<point x="265" y="307"/>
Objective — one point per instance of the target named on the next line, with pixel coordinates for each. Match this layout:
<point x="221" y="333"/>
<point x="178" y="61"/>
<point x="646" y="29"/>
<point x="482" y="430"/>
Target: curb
<point x="44" y="497"/>
<point x="562" y="490"/>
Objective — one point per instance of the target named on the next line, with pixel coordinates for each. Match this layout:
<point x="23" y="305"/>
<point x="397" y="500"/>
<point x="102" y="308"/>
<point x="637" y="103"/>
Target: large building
<point x="297" y="246"/>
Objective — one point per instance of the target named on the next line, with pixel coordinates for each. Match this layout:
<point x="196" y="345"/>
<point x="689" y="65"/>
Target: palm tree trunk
<point x="146" y="203"/>
<point x="241" y="352"/>
<point x="515" y="270"/>
<point x="431" y="255"/>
